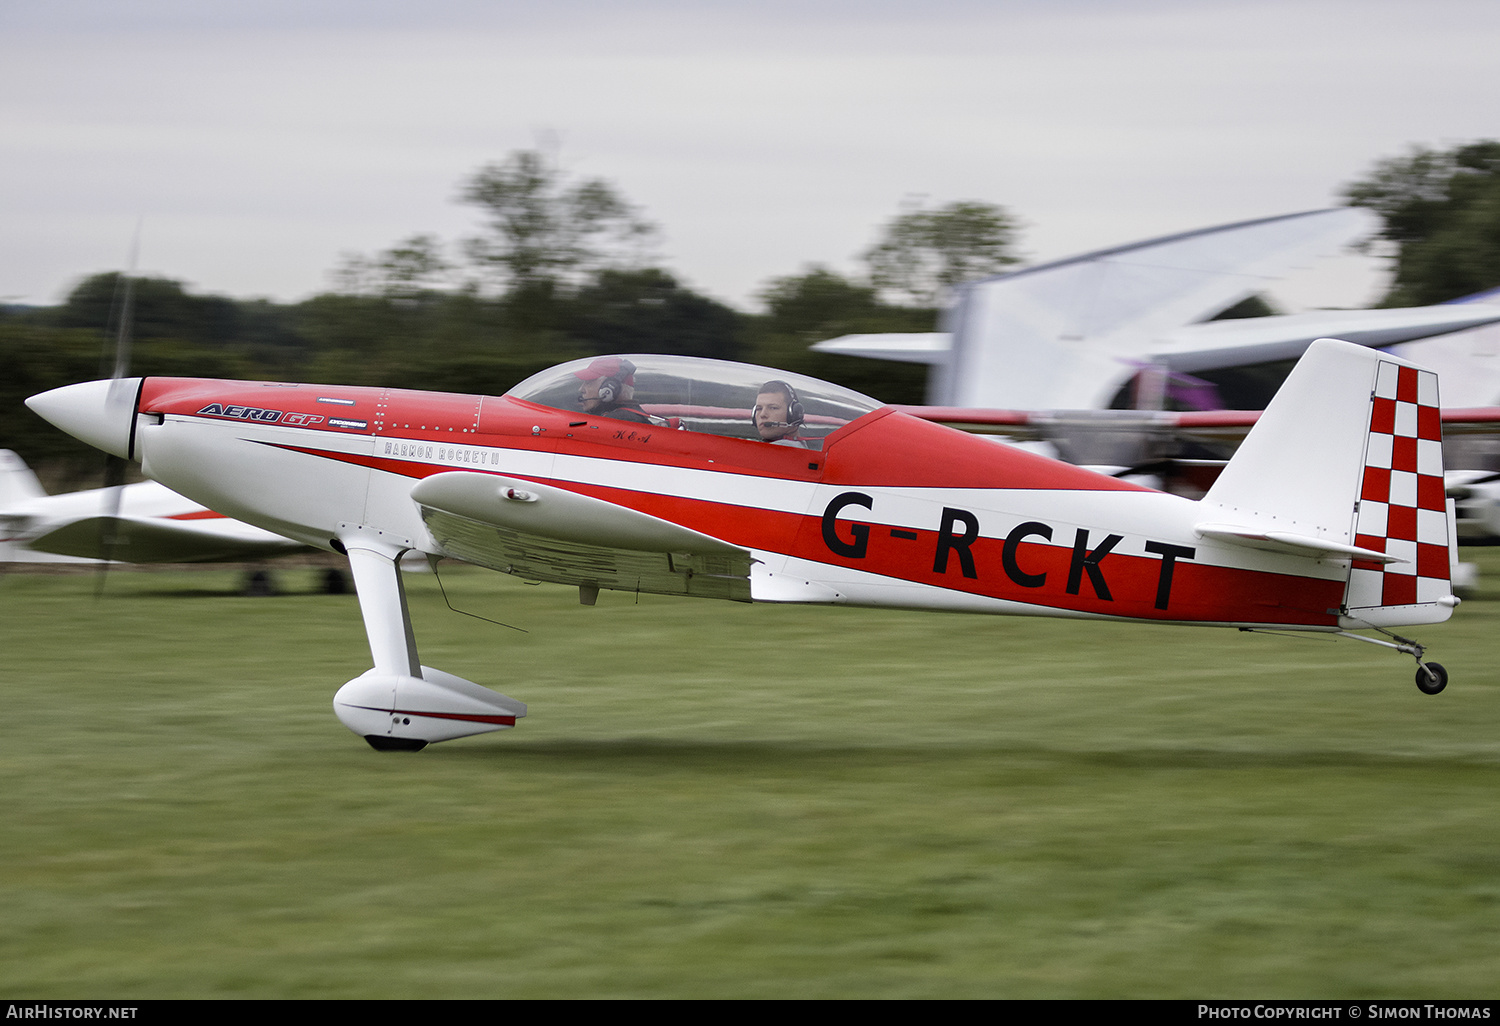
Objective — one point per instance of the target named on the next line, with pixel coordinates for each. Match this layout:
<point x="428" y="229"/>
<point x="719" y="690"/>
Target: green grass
<point x="710" y="799"/>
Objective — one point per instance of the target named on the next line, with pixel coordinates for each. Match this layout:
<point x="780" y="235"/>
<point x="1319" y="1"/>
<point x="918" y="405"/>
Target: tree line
<point x="563" y="268"/>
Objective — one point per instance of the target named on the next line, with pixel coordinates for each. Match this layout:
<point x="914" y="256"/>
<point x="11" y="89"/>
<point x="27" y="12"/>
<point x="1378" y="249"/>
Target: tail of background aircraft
<point x="17" y="483"/>
<point x="1347" y="461"/>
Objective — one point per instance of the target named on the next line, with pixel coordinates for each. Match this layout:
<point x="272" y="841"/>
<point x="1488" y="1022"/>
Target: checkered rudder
<point x="1402" y="510"/>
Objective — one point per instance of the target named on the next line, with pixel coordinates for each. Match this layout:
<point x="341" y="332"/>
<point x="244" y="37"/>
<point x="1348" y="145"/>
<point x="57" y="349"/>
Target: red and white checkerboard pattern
<point x="1402" y="510"/>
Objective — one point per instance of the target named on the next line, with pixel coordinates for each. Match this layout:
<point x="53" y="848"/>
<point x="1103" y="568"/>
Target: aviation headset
<point x="794" y="412"/>
<point x="613" y="385"/>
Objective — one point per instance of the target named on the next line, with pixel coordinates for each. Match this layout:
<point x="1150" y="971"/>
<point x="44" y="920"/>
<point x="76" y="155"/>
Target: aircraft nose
<point x="97" y="412"/>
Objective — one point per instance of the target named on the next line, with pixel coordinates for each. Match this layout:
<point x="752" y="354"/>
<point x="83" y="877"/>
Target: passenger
<point x="778" y="415"/>
<point x="608" y="390"/>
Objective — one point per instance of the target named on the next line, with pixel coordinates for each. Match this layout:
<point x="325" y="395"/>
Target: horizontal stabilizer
<point x="921" y="347"/>
<point x="1286" y="541"/>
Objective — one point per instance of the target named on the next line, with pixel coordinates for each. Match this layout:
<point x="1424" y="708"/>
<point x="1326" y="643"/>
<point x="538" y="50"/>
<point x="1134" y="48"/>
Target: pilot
<point x="608" y="390"/>
<point x="778" y="415"/>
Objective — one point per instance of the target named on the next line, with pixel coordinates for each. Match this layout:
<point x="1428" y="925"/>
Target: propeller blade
<point x="109" y="524"/>
<point x="114" y="466"/>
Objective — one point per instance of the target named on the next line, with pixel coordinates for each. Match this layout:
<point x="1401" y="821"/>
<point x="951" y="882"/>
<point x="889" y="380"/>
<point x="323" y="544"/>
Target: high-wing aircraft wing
<point x="1232" y="343"/>
<point x="1205" y="425"/>
<point x="1068" y="335"/>
<point x="1127" y="438"/>
<point x="1184" y="451"/>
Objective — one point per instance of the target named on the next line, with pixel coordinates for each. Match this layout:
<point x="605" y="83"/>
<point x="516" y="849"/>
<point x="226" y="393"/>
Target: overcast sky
<point x="260" y="140"/>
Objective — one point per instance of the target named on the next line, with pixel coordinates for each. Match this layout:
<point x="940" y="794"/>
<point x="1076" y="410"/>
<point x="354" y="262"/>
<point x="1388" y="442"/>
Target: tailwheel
<point x="1431" y="678"/>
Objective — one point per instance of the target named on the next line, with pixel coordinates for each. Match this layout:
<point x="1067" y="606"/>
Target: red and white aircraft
<point x="667" y="475"/>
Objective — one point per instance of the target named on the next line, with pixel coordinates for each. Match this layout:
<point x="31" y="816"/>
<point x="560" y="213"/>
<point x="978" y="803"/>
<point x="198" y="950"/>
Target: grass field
<point x="717" y="800"/>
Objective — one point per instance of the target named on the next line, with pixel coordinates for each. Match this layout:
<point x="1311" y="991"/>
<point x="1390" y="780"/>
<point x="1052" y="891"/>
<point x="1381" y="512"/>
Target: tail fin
<point x="1348" y="460"/>
<point x="17" y="483"/>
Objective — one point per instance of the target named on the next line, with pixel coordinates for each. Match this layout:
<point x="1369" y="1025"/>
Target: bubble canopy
<point x="695" y="394"/>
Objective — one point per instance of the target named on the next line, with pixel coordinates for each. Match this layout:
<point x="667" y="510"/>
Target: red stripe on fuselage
<point x="1133" y="582"/>
<point x="1070" y="577"/>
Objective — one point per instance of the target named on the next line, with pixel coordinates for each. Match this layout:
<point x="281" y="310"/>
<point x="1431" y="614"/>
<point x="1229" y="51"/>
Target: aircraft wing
<point x="1475" y="420"/>
<point x="1029" y="425"/>
<point x="1212" y="345"/>
<point x="143" y="522"/>
<point x="1139" y="439"/>
<point x="1034" y="425"/>
<point x="1234" y="343"/>
<point x="542" y="533"/>
<point x="158" y="540"/>
<point x="1054" y="336"/>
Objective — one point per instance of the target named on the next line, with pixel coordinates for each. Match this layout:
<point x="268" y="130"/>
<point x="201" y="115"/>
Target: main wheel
<point x="395" y="744"/>
<point x="1435" y="683"/>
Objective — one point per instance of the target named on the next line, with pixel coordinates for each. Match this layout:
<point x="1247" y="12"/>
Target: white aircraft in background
<point x="1071" y="334"/>
<point x="1043" y="354"/>
<point x="135" y="523"/>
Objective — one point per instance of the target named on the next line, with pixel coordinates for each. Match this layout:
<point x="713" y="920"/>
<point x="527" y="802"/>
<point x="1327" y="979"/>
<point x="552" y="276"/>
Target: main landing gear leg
<point x="401" y="705"/>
